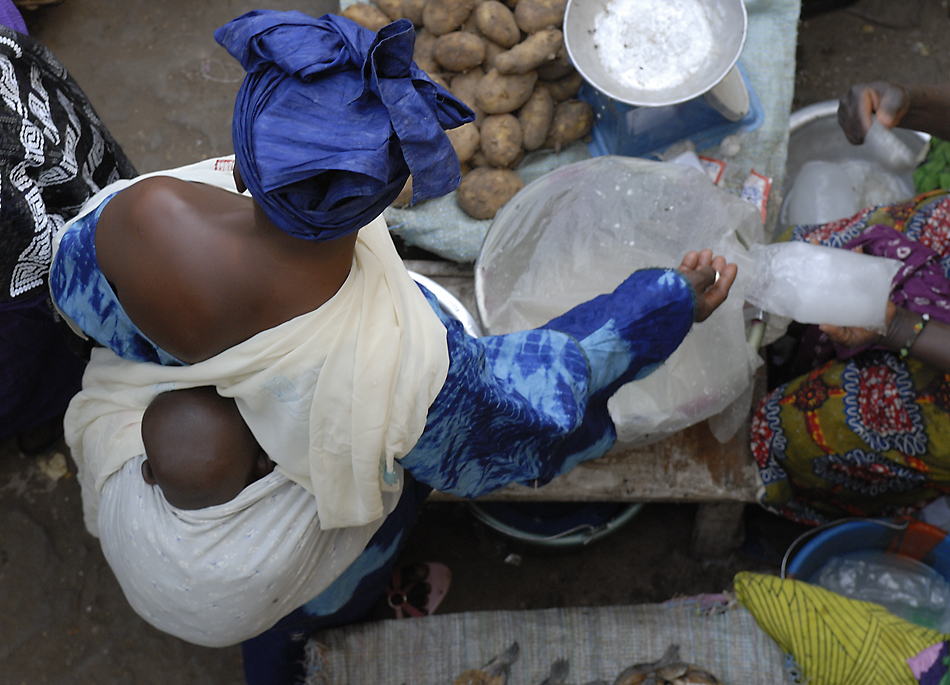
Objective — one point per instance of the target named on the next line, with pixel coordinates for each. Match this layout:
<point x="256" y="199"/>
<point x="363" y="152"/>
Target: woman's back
<point x="199" y="269"/>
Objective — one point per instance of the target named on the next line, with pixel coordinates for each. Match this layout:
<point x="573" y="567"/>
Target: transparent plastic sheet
<point x="580" y="230"/>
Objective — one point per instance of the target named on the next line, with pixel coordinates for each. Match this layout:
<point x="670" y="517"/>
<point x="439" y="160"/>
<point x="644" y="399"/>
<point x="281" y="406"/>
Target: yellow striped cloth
<point x="835" y="640"/>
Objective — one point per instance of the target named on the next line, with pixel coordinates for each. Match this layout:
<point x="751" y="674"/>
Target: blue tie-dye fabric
<point x="81" y="291"/>
<point x="522" y="407"/>
<point x="528" y="406"/>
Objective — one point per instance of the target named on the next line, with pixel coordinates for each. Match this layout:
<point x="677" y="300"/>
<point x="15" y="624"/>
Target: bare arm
<point x="931" y="346"/>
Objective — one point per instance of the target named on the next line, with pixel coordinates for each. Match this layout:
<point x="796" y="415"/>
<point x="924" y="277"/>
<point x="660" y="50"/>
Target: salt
<point x="653" y="44"/>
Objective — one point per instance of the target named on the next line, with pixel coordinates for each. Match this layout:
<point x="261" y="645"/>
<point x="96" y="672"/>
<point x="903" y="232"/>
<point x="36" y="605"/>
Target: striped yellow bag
<point x="835" y="640"/>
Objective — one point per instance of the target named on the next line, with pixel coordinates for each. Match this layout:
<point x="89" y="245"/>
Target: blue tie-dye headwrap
<point x="331" y="119"/>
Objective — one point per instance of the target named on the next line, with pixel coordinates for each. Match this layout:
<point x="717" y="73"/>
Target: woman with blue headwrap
<point x="293" y="301"/>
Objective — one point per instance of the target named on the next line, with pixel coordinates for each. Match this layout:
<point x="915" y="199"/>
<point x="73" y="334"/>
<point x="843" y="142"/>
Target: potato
<point x="497" y="23"/>
<point x="367" y="16"/>
<point x="470" y="25"/>
<point x="484" y="191"/>
<point x="404" y="199"/>
<point x="558" y="67"/>
<point x="437" y="77"/>
<point x="459" y="51"/>
<point x="391" y="8"/>
<point x="565" y="87"/>
<point x="535" y="118"/>
<point x="573" y="120"/>
<point x="464" y="86"/>
<point x="478" y="160"/>
<point x="492" y="50"/>
<point x="530" y="53"/>
<point x="500" y="94"/>
<point x="465" y="139"/>
<point x="422" y="53"/>
<point x="412" y="10"/>
<point x="501" y="139"/>
<point x="444" y="16"/>
<point x="537" y="15"/>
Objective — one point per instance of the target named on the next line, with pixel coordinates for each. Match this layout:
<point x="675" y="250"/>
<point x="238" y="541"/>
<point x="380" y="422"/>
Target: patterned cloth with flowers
<point x="864" y="433"/>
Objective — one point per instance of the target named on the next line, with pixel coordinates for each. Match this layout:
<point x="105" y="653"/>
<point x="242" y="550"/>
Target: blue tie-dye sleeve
<point x="527" y="406"/>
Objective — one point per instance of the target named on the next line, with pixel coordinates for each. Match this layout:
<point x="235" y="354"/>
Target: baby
<point x="198" y="449"/>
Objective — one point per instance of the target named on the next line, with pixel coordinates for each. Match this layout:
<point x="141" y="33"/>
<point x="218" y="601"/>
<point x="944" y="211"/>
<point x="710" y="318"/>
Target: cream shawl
<point x="333" y="396"/>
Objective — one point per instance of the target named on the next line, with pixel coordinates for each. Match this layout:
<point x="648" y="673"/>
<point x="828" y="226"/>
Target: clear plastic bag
<point x="903" y="586"/>
<point x="580" y="230"/>
<point x="817" y="284"/>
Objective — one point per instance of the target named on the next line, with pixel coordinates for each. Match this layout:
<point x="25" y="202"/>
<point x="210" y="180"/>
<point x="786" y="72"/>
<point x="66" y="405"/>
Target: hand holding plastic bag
<point x="580" y="230"/>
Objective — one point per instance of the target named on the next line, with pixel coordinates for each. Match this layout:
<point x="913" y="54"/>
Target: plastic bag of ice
<point x="817" y="284"/>
<point x="827" y="191"/>
<point x="580" y="230"/>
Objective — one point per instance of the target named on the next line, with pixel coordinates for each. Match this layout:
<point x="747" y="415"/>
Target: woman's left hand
<point x="852" y="336"/>
<point x="701" y="268"/>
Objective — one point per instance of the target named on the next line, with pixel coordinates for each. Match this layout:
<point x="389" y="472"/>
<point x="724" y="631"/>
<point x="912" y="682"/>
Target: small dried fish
<point x="696" y="676"/>
<point x="495" y="672"/>
<point x="667" y="670"/>
<point x="672" y="671"/>
<point x="559" y="672"/>
<point x="639" y="673"/>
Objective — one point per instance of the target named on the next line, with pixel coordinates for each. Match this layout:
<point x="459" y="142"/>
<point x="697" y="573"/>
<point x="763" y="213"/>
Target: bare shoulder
<point x="158" y="198"/>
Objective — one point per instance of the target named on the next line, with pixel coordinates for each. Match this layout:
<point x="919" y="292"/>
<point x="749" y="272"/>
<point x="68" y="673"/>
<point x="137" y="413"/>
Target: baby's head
<point x="198" y="449"/>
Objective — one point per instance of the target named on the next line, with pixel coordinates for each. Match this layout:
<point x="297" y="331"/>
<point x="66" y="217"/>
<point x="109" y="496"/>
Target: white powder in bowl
<point x="652" y="44"/>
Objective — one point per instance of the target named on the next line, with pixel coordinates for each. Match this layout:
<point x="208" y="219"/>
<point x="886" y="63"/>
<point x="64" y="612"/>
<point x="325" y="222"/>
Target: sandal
<point x="416" y="589"/>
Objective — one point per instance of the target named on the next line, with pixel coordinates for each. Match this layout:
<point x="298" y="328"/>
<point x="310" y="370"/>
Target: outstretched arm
<point x="923" y="108"/>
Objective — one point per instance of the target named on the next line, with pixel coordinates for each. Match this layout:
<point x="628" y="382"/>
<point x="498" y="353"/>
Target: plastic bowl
<point x="913" y="539"/>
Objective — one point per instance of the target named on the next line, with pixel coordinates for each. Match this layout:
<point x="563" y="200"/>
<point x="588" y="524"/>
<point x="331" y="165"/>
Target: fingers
<point x="711" y="276"/>
<point x="854" y="113"/>
<point x="887" y="101"/>
<point x="689" y="261"/>
<point x="892" y="106"/>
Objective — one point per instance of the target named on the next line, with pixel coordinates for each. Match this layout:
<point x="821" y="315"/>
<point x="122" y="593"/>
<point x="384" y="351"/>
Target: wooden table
<point x="690" y="466"/>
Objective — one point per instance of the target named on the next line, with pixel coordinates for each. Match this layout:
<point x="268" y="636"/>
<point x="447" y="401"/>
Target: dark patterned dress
<point x="55" y="153"/>
<point x="865" y="433"/>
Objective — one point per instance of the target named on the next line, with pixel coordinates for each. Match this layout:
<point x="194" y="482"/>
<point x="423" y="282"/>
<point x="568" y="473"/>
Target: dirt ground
<point x="165" y="89"/>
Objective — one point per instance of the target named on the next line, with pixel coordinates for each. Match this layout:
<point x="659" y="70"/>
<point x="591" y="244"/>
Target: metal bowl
<point x="815" y="136"/>
<point x="450" y="304"/>
<point x="727" y="18"/>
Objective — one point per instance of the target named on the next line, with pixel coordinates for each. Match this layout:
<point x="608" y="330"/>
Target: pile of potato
<point x="505" y="60"/>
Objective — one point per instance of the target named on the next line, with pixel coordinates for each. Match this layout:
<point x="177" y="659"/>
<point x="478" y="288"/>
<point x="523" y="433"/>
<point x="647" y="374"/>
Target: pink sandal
<point x="416" y="589"/>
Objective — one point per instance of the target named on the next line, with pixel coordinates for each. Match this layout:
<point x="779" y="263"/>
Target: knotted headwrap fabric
<point x="331" y="119"/>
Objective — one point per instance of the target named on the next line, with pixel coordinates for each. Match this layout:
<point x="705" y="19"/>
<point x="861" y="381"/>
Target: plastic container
<point x="556" y="525"/>
<point x="910" y="539"/>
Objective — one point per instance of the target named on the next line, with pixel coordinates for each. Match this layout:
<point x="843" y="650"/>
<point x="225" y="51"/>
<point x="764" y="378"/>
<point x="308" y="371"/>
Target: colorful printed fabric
<point x="835" y="640"/>
<point x="55" y="153"/>
<point x="865" y="434"/>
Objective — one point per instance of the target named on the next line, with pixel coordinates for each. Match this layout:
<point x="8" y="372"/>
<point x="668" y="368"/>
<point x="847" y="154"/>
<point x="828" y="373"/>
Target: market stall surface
<point x="166" y="90"/>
